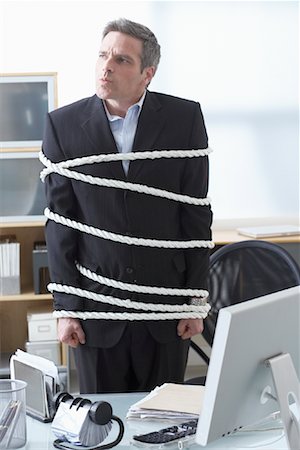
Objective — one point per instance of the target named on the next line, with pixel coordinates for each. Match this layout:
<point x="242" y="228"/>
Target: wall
<point x="238" y="58"/>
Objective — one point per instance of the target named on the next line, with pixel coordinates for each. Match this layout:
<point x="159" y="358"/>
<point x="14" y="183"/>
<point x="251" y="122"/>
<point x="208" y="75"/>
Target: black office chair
<point x="243" y="271"/>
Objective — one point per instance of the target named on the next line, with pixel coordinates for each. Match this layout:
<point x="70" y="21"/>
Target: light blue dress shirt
<point x="124" y="128"/>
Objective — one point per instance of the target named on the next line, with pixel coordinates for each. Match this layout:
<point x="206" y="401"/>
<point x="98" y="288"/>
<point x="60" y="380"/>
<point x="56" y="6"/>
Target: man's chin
<point x="103" y="94"/>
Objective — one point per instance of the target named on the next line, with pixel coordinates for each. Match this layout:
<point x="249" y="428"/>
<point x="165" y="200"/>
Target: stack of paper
<point x="169" y="402"/>
<point x="41" y="376"/>
<point x="9" y="267"/>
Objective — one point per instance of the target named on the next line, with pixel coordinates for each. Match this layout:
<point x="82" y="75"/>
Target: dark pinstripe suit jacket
<point x="82" y="129"/>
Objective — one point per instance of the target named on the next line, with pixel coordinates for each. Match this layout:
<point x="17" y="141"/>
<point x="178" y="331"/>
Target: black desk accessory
<point x="80" y="422"/>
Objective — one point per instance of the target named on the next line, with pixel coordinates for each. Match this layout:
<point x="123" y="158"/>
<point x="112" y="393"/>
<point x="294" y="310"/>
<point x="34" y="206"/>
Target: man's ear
<point x="149" y="74"/>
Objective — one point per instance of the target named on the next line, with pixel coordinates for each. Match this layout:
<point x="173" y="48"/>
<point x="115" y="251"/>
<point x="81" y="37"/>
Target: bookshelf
<point x="13" y="308"/>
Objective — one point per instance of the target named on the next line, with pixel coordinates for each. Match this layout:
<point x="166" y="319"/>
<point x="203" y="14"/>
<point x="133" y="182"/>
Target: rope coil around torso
<point x="168" y="311"/>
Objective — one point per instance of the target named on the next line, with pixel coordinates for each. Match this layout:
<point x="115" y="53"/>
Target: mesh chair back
<point x="245" y="270"/>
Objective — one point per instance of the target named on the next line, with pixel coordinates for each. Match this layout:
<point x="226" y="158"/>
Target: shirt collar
<point x="139" y="104"/>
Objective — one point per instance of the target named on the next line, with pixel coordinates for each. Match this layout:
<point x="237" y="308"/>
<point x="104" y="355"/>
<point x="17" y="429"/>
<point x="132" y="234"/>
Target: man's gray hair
<point x="151" y="48"/>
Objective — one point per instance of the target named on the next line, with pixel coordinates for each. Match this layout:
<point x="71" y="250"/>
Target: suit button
<point x="129" y="270"/>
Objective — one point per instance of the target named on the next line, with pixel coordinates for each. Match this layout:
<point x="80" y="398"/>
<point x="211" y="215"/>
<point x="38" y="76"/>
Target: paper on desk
<point x="38" y="362"/>
<point x="170" y="401"/>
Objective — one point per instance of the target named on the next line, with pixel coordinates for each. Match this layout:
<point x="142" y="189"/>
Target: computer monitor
<point x="25" y="100"/>
<point x="23" y="196"/>
<point x="239" y="383"/>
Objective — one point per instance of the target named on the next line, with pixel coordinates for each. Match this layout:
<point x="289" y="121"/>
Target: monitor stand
<point x="288" y="391"/>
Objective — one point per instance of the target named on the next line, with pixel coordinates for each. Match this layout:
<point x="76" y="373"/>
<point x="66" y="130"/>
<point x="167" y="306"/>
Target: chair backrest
<point x="245" y="270"/>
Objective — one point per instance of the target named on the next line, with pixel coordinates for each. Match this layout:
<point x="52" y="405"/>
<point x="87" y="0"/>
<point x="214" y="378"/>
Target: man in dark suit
<point x="123" y="116"/>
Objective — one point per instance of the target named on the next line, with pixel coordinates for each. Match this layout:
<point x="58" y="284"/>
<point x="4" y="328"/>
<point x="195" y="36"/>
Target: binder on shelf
<point x="41" y="276"/>
<point x="9" y="266"/>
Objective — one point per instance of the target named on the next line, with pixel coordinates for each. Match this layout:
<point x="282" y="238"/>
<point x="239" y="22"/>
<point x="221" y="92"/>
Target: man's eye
<point x="101" y="55"/>
<point x="121" y="59"/>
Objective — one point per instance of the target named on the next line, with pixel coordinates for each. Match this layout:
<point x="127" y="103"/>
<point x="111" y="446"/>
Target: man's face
<point x="119" y="79"/>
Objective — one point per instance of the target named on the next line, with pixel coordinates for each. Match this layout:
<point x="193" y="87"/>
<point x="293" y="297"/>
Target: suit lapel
<point x="98" y="132"/>
<point x="149" y="127"/>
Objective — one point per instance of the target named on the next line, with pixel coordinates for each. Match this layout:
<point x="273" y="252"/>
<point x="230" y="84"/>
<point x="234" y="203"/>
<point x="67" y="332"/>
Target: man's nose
<point x="107" y="65"/>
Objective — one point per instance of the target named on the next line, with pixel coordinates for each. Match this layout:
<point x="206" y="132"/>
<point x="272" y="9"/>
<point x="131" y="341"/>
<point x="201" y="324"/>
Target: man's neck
<point x="116" y="108"/>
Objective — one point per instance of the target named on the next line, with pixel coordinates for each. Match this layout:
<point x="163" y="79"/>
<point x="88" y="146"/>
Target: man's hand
<point x="187" y="328"/>
<point x="70" y="332"/>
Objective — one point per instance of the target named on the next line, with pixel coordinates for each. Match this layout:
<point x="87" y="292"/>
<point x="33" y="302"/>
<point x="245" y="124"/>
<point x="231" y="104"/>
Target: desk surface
<point x="40" y="437"/>
<point x="229" y="236"/>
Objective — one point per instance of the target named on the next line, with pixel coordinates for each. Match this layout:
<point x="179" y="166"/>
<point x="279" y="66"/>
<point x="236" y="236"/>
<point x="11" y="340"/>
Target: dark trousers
<point x="136" y="363"/>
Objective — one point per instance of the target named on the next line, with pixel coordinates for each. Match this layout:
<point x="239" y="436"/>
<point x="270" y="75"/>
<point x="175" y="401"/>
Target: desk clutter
<point x="41" y="376"/>
<point x="77" y="421"/>
<point x="170" y="401"/>
<point x="12" y="414"/>
<point x="81" y="422"/>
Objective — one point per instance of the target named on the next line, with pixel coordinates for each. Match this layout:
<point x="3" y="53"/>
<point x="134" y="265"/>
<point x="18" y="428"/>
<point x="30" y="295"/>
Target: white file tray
<point x="39" y="392"/>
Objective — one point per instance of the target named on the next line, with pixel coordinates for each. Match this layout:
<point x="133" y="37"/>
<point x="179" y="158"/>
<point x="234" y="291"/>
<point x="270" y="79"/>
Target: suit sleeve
<point x="196" y="220"/>
<point x="62" y="241"/>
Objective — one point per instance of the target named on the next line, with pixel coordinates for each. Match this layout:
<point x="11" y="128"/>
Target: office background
<point x="238" y="58"/>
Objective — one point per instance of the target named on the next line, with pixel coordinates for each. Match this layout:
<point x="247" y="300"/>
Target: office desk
<point x="229" y="236"/>
<point x="40" y="436"/>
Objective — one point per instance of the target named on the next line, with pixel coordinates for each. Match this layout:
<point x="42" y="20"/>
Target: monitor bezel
<point x="246" y="335"/>
<point x="15" y="219"/>
<point x="35" y="77"/>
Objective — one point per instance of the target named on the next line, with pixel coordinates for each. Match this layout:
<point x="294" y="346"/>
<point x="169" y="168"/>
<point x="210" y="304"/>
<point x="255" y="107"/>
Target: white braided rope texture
<point x="167" y="311"/>
<point x="126" y="316"/>
<point x="127" y="303"/>
<point x="61" y="169"/>
<point x="130" y="156"/>
<point x="160" y="243"/>
<point x="181" y="311"/>
<point x="140" y="288"/>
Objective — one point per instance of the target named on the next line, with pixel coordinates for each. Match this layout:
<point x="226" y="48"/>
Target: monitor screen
<point x="247" y="334"/>
<point x="25" y="99"/>
<point x="23" y="197"/>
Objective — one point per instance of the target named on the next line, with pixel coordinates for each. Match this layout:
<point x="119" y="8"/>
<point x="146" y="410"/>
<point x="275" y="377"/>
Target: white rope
<point x="126" y="316"/>
<point x="140" y="288"/>
<point x="130" y="156"/>
<point x="118" y="184"/>
<point x="174" y="311"/>
<point x="160" y="243"/>
<point x="135" y="187"/>
<point x="127" y="303"/>
<point x="170" y="312"/>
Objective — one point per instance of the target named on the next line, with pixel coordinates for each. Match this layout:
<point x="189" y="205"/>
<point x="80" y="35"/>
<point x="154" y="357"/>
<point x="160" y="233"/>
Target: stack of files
<point x="41" y="376"/>
<point x="169" y="401"/>
<point x="9" y="266"/>
<point x="270" y="231"/>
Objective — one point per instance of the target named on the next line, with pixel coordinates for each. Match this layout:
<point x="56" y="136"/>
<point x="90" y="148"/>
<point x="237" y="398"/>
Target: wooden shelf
<point x="13" y="319"/>
<point x="29" y="296"/>
<point x="26" y="234"/>
<point x="14" y="308"/>
<point x="31" y="224"/>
